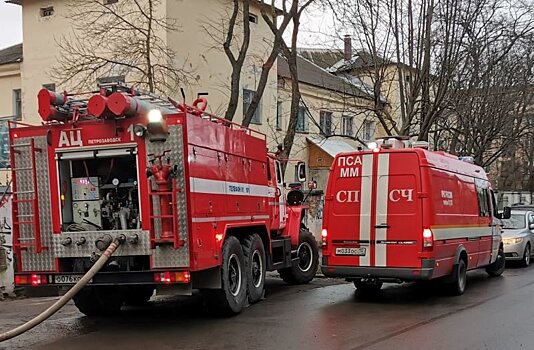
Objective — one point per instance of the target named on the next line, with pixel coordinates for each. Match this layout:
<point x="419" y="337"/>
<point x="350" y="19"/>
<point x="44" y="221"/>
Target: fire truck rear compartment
<point x="99" y="194"/>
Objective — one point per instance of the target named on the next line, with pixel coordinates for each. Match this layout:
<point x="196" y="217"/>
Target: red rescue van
<point x="399" y="213"/>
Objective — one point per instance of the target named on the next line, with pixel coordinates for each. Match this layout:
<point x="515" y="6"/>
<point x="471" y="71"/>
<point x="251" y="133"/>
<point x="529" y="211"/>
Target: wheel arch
<point x="461" y="253"/>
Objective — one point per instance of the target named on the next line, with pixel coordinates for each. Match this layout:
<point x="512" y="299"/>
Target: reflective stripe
<point x="365" y="207"/>
<point x="199" y="185"/>
<point x="460" y="232"/>
<point x="230" y="218"/>
<point x="382" y="209"/>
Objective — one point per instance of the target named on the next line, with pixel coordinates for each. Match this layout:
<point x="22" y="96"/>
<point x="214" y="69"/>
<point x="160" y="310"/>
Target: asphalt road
<point x="327" y="314"/>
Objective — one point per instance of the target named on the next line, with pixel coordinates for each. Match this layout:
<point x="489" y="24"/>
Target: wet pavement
<point x="494" y="313"/>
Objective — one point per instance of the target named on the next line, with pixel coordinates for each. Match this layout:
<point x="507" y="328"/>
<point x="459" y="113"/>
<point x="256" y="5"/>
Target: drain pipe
<point x="69" y="295"/>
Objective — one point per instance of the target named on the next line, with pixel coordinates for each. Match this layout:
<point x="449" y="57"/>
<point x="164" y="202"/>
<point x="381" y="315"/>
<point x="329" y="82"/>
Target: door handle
<point x="382" y="226"/>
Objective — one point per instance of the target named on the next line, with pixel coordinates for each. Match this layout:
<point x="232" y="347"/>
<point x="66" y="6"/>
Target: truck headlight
<point x="155" y="116"/>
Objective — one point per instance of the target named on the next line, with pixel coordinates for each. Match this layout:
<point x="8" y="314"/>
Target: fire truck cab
<point x="399" y="212"/>
<point x="196" y="200"/>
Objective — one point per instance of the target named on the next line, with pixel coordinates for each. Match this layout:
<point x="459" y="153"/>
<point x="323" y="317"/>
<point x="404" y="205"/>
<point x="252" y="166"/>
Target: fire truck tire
<point x="138" y="296"/>
<point x="101" y="301"/>
<point x="497" y="268"/>
<point x="459" y="278"/>
<point x="232" y="297"/>
<point x="303" y="269"/>
<point x="254" y="252"/>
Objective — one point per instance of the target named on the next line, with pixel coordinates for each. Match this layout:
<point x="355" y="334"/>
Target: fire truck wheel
<point x="497" y="268"/>
<point x="138" y="296"/>
<point x="303" y="269"/>
<point x="254" y="252"/>
<point x="231" y="298"/>
<point x="99" y="301"/>
<point x="457" y="286"/>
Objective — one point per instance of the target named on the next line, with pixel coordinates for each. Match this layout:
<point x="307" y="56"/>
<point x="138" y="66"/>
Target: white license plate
<point x="350" y="251"/>
<point x="67" y="279"/>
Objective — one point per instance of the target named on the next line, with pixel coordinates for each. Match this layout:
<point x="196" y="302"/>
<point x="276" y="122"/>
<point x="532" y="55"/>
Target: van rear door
<point x="348" y="209"/>
<point x="398" y="219"/>
<point x="374" y="210"/>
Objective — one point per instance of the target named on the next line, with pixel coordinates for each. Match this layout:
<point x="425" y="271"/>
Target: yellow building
<point x="10" y="99"/>
<point x="196" y="43"/>
<point x="333" y="117"/>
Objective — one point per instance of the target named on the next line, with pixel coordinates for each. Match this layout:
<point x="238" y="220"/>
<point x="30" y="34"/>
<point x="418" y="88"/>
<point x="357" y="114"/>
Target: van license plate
<point x="67" y="279"/>
<point x="350" y="251"/>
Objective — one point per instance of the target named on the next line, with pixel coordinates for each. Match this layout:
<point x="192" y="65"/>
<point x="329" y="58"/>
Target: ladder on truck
<point x="31" y="196"/>
<point x="174" y="240"/>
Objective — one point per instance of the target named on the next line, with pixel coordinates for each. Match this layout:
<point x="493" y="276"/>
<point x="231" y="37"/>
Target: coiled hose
<point x="117" y="241"/>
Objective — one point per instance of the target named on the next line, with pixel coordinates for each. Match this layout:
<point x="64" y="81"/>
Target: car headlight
<point x="509" y="241"/>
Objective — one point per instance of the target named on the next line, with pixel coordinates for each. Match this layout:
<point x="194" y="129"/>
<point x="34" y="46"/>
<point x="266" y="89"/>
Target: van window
<point x="483" y="200"/>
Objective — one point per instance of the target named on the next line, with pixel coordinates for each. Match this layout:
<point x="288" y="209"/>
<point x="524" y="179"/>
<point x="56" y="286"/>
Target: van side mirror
<point x="531" y="226"/>
<point x="506" y="213"/>
<point x="301" y="172"/>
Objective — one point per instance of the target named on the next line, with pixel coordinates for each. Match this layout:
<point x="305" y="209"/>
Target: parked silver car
<point x="518" y="236"/>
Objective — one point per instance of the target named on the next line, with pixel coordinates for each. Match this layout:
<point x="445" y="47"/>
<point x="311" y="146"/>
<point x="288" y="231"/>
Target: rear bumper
<point x="392" y="273"/>
<point x="100" y="279"/>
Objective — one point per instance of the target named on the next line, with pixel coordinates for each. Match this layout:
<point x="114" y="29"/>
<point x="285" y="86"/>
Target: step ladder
<point x="26" y="219"/>
<point x="175" y="240"/>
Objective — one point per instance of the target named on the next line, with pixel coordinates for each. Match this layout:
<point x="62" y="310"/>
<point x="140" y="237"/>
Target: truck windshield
<point x="516" y="221"/>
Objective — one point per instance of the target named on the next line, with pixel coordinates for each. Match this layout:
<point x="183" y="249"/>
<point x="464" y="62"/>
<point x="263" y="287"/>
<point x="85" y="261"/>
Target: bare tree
<point x="292" y="10"/>
<point x="124" y="38"/>
<point x="426" y="40"/>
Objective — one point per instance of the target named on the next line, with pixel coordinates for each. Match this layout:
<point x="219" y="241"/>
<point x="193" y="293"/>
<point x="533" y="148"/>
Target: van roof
<point x="434" y="159"/>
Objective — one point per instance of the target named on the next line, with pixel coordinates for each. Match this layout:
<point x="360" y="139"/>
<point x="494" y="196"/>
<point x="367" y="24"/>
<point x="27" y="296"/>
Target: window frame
<point x="252" y="18"/>
<point x="279" y="112"/>
<point x="17" y="103"/>
<point x="256" y="118"/>
<point x="47" y="11"/>
<point x="325" y="121"/>
<point x="305" y="126"/>
<point x="344" y="131"/>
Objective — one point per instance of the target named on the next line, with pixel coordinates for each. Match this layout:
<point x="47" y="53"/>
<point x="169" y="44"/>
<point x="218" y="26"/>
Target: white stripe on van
<point x="365" y="207"/>
<point x="382" y="209"/>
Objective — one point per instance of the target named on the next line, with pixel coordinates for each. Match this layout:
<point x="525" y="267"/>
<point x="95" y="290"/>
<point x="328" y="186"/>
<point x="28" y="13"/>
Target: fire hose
<point x="117" y="241"/>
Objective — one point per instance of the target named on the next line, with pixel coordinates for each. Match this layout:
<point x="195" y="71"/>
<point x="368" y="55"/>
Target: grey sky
<point x="10" y="24"/>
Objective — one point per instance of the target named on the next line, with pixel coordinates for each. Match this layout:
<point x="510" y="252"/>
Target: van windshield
<point x="516" y="221"/>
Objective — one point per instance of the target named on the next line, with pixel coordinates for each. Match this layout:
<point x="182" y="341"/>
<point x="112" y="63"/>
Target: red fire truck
<point x="198" y="202"/>
<point x="397" y="213"/>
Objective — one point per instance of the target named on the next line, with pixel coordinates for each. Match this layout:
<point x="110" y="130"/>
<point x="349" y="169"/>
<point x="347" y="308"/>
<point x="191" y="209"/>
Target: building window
<point x="47" y="11"/>
<point x="281" y="83"/>
<point x="17" y="104"/>
<point x="50" y="86"/>
<point x="109" y="2"/>
<point x="279" y="115"/>
<point x="253" y="18"/>
<point x="302" y="120"/>
<point x="347" y="123"/>
<point x="325" y="122"/>
<point x="368" y="130"/>
<point x="248" y="95"/>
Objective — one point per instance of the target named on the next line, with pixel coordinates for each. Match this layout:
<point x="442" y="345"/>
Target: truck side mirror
<point x="301" y="172"/>
<point x="506" y="213"/>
